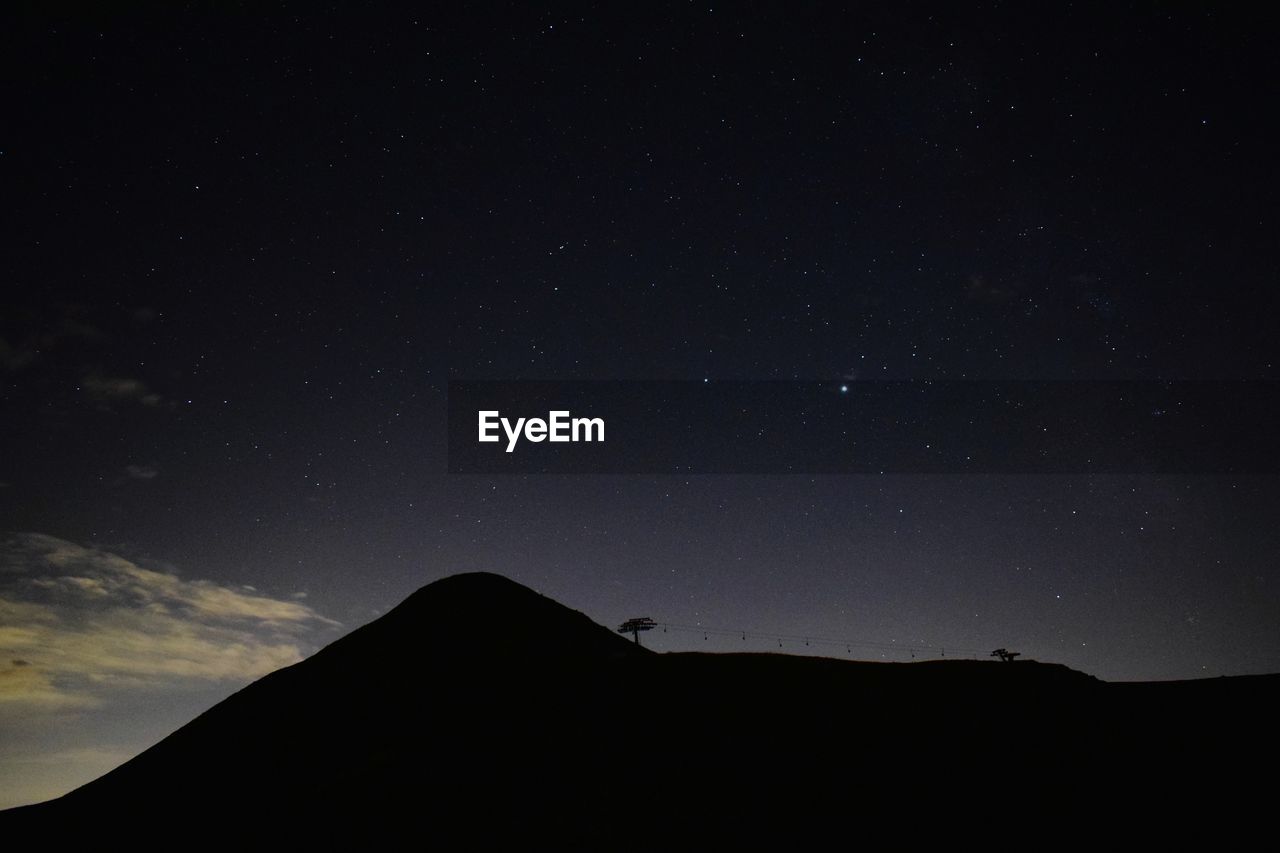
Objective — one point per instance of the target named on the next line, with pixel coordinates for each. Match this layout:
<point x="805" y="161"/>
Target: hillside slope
<point x="544" y="724"/>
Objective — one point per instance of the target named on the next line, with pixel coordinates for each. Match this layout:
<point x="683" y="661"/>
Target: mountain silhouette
<point x="479" y="709"/>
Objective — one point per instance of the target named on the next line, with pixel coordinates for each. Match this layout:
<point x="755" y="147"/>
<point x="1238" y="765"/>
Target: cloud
<point x="14" y="358"/>
<point x="23" y="684"/>
<point x="77" y="623"/>
<point x="991" y="290"/>
<point x="40" y="337"/>
<point x="109" y="389"/>
<point x="141" y="472"/>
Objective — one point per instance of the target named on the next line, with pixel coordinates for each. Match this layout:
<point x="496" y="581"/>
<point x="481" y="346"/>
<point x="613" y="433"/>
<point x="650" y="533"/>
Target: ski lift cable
<point x="811" y="640"/>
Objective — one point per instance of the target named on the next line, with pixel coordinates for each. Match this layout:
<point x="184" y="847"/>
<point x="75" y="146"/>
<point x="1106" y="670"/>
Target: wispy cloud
<point x="111" y="389"/>
<point x="30" y="345"/>
<point x="77" y="622"/>
<point x="25" y="684"/>
<point x="15" y="357"/>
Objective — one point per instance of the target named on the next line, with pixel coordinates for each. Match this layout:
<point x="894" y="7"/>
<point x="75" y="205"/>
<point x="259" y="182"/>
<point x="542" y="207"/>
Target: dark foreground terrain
<point x="548" y="727"/>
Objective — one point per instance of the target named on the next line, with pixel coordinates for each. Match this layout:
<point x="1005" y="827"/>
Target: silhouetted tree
<point x="1005" y="655"/>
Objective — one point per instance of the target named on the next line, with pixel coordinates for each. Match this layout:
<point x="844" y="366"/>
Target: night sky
<point x="246" y="248"/>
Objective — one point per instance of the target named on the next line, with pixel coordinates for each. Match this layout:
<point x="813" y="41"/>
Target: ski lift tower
<point x="635" y="626"/>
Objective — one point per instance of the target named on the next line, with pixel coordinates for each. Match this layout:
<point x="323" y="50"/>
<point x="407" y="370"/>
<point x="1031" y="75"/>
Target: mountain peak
<point x="489" y="613"/>
<point x="470" y="584"/>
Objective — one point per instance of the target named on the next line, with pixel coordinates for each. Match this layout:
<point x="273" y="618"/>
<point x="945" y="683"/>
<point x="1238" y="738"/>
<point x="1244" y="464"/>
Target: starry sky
<point x="246" y="247"/>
